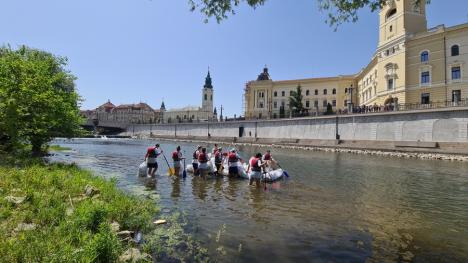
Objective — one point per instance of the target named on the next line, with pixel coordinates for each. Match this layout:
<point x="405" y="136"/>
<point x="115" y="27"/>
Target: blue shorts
<point x="233" y="170"/>
<point x="152" y="165"/>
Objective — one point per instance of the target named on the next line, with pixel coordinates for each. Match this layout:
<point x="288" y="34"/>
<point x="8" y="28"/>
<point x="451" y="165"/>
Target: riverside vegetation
<point x="61" y="213"/>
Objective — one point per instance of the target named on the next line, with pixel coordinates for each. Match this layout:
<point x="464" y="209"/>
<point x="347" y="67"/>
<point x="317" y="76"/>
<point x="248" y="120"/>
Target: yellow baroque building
<point x="413" y="67"/>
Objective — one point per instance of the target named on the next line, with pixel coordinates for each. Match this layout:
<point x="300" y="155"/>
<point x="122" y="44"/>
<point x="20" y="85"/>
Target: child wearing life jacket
<point x="255" y="169"/>
<point x="177" y="157"/>
<point x="152" y="154"/>
<point x="203" y="162"/>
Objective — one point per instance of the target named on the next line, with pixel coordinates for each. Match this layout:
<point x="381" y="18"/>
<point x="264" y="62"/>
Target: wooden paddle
<point x="171" y="170"/>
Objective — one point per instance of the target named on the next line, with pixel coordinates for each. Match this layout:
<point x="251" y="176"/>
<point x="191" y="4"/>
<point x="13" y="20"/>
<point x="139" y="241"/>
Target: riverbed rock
<point x="160" y="222"/>
<point x="91" y="190"/>
<point x="134" y="255"/>
<point x="16" y="200"/>
<point x="125" y="234"/>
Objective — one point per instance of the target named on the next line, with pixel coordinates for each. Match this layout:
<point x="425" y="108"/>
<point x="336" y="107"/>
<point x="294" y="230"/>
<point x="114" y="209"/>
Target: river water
<point x="335" y="207"/>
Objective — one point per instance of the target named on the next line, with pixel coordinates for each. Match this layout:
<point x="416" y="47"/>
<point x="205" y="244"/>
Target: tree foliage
<point x="295" y="101"/>
<point x="339" y="11"/>
<point x="38" y="100"/>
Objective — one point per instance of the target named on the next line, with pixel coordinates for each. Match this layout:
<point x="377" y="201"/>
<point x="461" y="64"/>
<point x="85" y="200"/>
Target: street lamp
<point x="350" y="102"/>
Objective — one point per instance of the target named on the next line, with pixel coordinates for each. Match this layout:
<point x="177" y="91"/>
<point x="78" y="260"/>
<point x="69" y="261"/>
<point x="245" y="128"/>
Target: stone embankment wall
<point x="423" y="126"/>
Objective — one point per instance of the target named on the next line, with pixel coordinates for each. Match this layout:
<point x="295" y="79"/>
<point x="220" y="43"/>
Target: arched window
<point x="325" y="92"/>
<point x="290" y="93"/>
<point x="307" y="92"/>
<point x="316" y="92"/>
<point x="334" y="91"/>
<point x="455" y="50"/>
<point x="346" y="90"/>
<point x="206" y="97"/>
<point x="424" y="56"/>
<point x="275" y="94"/>
<point x="282" y="93"/>
<point x="390" y="13"/>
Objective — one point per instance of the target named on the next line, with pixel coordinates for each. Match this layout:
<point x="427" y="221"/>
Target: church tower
<point x="401" y="18"/>
<point x="207" y="95"/>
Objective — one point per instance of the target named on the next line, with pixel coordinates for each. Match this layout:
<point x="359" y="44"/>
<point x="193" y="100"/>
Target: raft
<point x="142" y="170"/>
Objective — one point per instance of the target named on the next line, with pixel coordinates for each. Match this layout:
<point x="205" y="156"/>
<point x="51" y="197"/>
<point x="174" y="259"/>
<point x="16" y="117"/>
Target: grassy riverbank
<point x="60" y="213"/>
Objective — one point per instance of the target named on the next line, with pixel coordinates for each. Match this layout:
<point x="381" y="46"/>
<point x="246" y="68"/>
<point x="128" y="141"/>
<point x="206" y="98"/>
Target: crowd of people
<point x="257" y="164"/>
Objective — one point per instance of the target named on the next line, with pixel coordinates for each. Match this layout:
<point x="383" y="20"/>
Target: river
<point x="335" y="207"/>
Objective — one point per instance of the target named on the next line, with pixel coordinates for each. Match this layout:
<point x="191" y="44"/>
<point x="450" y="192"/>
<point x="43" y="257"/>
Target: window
<point x="307" y="104"/>
<point x="456" y="95"/>
<point x="325" y="92"/>
<point x="346" y="90"/>
<point x="345" y="103"/>
<point x="316" y="104"/>
<point x="455" y="50"/>
<point x="275" y="105"/>
<point x="424" y="56"/>
<point x="316" y="92"/>
<point x="275" y="94"/>
<point x="334" y="91"/>
<point x="261" y="105"/>
<point x="425" y="77"/>
<point x="290" y="93"/>
<point x="425" y="98"/>
<point x="456" y="73"/>
<point x="282" y="93"/>
<point x="390" y="84"/>
<point x="307" y="92"/>
<point x="334" y="103"/>
<point x="391" y="13"/>
<point x="325" y="102"/>
<point x="206" y="97"/>
<point x="282" y="104"/>
<point x="387" y="52"/>
<point x="390" y="28"/>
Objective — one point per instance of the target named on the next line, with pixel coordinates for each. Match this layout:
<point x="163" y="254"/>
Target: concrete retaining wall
<point x="427" y="126"/>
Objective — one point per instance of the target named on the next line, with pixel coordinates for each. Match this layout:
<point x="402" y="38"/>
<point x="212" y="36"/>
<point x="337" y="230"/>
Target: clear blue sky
<point x="140" y="50"/>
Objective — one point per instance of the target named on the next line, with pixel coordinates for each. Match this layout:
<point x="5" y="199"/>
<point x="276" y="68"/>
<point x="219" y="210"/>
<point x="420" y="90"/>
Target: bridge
<point x="104" y="127"/>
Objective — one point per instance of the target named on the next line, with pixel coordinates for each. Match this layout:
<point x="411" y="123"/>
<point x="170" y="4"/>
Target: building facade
<point x="140" y="113"/>
<point x="413" y="67"/>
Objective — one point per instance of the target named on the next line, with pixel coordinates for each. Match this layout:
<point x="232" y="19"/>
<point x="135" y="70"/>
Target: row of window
<point x="426" y="77"/>
<point x="307" y="104"/>
<point x="426" y="97"/>
<point x="454" y="51"/>
<point x="316" y="92"/>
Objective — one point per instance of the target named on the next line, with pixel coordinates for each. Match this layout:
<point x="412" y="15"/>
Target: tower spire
<point x="208" y="84"/>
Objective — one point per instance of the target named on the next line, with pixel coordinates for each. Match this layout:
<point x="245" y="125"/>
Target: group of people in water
<point x="257" y="164"/>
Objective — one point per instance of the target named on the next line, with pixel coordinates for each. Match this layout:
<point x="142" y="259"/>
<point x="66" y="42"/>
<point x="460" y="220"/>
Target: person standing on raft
<point x="195" y="159"/>
<point x="255" y="169"/>
<point x="203" y="162"/>
<point x="151" y="155"/>
<point x="177" y="157"/>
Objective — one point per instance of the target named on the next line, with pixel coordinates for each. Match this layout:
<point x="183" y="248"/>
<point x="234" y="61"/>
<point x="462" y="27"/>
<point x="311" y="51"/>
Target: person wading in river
<point x="195" y="159"/>
<point x="215" y="149"/>
<point x="255" y="169"/>
<point x="233" y="162"/>
<point x="151" y="155"/>
<point x="268" y="159"/>
<point x="203" y="162"/>
<point x="177" y="157"/>
<point x="218" y="157"/>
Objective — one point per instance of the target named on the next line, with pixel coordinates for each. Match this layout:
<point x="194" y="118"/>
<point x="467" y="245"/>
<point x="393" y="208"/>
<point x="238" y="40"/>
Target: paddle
<point x="171" y="170"/>
<point x="264" y="180"/>
<point x="184" y="173"/>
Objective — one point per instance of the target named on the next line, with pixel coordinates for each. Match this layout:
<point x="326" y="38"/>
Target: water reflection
<point x="335" y="207"/>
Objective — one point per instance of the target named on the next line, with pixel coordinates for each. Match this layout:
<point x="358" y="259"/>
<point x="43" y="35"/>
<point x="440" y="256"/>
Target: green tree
<point x="38" y="100"/>
<point x="295" y="101"/>
<point x="339" y="11"/>
<point x="329" y="109"/>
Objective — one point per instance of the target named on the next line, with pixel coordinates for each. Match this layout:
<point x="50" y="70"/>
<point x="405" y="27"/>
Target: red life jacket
<point x="202" y="158"/>
<point x="267" y="157"/>
<point x="232" y="157"/>
<point x="254" y="165"/>
<point x="151" y="152"/>
<point x="175" y="156"/>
